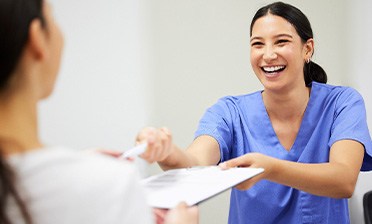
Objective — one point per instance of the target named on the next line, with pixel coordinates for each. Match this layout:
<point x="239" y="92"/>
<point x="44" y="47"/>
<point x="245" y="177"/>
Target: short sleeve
<point x="350" y="122"/>
<point x="217" y="123"/>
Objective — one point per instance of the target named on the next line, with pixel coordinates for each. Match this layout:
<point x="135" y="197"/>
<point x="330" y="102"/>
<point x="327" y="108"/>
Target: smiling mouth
<point x="273" y="69"/>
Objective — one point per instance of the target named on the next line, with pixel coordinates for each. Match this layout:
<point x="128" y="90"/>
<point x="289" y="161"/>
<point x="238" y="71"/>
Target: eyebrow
<point x="276" y="36"/>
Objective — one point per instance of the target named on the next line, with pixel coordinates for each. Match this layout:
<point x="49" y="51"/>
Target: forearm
<point x="179" y="158"/>
<point x="324" y="179"/>
<point x="336" y="178"/>
<point x="204" y="151"/>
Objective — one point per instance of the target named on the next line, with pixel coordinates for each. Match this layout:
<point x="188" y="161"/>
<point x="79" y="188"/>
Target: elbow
<point x="347" y="194"/>
<point x="349" y="190"/>
<point x="346" y="191"/>
<point x="349" y="187"/>
<point x="345" y="184"/>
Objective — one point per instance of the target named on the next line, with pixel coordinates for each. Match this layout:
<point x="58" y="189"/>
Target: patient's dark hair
<point x="312" y="71"/>
<point x="15" y="19"/>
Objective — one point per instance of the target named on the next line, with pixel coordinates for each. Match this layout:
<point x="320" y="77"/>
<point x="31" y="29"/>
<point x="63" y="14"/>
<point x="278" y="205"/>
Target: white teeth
<point x="272" y="68"/>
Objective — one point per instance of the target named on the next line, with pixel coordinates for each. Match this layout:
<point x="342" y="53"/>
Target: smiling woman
<point x="297" y="26"/>
<point x="310" y="137"/>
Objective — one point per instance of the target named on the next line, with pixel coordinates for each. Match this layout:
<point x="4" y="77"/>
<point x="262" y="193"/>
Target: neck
<point x="18" y="119"/>
<point x="287" y="106"/>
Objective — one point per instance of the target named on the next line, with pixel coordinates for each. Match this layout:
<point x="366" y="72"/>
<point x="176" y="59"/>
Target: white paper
<point x="192" y="185"/>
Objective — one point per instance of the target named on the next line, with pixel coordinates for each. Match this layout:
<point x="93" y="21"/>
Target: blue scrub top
<point x="241" y="125"/>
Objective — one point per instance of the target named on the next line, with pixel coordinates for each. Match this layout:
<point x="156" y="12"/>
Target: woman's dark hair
<point x="312" y="71"/>
<point x="15" y="19"/>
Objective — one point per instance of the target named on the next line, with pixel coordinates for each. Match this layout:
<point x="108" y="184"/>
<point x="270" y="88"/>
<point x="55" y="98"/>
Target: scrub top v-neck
<point x="269" y="134"/>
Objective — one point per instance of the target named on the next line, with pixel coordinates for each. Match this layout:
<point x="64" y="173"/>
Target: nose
<point x="269" y="54"/>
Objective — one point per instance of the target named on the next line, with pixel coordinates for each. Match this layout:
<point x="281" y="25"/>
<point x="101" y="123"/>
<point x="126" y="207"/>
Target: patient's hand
<point x="182" y="214"/>
<point x="108" y="152"/>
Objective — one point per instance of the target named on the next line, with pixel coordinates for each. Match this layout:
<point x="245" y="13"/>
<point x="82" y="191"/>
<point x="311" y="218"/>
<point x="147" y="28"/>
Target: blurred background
<point x="133" y="63"/>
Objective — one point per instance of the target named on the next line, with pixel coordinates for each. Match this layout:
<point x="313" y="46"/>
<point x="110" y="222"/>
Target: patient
<point x="44" y="184"/>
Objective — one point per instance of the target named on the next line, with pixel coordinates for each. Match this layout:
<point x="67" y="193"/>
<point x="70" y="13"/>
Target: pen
<point x="135" y="151"/>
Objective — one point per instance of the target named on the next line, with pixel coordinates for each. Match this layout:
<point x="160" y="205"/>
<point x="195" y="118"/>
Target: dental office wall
<point x="99" y="99"/>
<point x="359" y="75"/>
<point x="130" y="63"/>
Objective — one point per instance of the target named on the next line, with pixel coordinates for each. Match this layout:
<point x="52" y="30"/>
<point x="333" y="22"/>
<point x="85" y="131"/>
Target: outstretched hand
<point x="254" y="160"/>
<point x="159" y="143"/>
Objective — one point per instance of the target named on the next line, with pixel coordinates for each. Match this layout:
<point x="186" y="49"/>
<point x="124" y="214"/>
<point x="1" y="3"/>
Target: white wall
<point x="360" y="76"/>
<point x="99" y="99"/>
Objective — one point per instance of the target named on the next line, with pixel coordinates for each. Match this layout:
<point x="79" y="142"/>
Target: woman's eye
<point x="282" y="41"/>
<point x="256" y="44"/>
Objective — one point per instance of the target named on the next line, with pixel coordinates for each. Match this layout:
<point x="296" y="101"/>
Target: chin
<point x="272" y="85"/>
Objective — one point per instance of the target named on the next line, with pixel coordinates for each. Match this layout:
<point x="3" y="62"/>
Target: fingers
<point x="182" y="214"/>
<point x="182" y="205"/>
<point x="160" y="215"/>
<point x="159" y="143"/>
<point x="108" y="152"/>
<point x="242" y="161"/>
<point x="144" y="134"/>
<point x="248" y="160"/>
<point x="248" y="183"/>
<point x="166" y="140"/>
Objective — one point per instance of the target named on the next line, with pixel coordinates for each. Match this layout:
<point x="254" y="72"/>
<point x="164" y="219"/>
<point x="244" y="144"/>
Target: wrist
<point x="273" y="169"/>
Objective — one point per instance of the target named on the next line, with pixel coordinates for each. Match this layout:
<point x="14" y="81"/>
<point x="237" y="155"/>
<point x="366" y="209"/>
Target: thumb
<point x="236" y="162"/>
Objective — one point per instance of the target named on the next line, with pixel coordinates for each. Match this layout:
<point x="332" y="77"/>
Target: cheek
<point x="254" y="58"/>
<point x="289" y="53"/>
<point x="255" y="62"/>
<point x="58" y="43"/>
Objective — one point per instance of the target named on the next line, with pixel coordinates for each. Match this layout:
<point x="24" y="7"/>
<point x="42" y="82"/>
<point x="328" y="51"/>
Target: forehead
<point x="272" y="25"/>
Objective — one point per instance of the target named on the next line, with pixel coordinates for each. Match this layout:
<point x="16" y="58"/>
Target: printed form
<point x="193" y="185"/>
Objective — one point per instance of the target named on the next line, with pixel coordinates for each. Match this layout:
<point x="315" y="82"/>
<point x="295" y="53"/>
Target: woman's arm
<point x="336" y="179"/>
<point x="203" y="151"/>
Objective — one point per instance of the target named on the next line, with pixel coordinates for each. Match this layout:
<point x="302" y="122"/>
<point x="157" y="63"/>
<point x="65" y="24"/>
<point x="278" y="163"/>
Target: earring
<point x="308" y="61"/>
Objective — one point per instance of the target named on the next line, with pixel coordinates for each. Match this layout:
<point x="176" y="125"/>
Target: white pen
<point x="135" y="151"/>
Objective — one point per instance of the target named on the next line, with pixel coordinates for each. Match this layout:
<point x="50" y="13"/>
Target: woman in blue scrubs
<point x="311" y="138"/>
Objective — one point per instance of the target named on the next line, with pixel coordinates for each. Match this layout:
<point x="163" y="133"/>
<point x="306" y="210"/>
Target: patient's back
<point x="60" y="185"/>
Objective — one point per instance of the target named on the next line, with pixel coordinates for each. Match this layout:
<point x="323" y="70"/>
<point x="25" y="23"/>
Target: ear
<point x="37" y="40"/>
<point x="308" y="49"/>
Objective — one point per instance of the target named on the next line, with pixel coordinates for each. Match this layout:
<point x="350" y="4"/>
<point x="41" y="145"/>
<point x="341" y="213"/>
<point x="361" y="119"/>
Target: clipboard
<point x="192" y="185"/>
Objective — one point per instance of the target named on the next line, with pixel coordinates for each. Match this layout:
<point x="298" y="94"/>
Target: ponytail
<point x="314" y="72"/>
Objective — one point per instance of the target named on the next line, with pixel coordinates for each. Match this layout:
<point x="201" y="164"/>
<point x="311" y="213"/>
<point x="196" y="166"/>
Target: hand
<point x="159" y="143"/>
<point x="160" y="215"/>
<point x="254" y="160"/>
<point x="182" y="214"/>
<point x="107" y="152"/>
